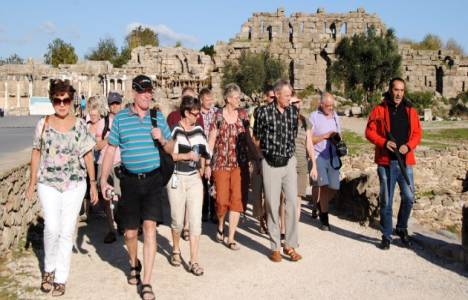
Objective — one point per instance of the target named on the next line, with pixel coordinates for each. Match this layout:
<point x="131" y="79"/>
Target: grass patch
<point x="356" y="143"/>
<point x="453" y="134"/>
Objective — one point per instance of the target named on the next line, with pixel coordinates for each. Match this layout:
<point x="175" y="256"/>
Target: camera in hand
<point x="341" y="148"/>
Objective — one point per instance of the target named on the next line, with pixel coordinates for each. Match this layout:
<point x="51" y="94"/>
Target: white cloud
<point x="48" y="27"/>
<point x="165" y="33"/>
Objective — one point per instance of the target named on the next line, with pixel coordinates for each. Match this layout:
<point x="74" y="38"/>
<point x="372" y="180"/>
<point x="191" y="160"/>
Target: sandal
<point x="147" y="289"/>
<point x="47" y="283"/>
<point x="291" y="252"/>
<point x="59" y="289"/>
<point x="136" y="276"/>
<point x="195" y="269"/>
<point x="233" y="246"/>
<point x="220" y="236"/>
<point x="175" y="259"/>
<point x="185" y="234"/>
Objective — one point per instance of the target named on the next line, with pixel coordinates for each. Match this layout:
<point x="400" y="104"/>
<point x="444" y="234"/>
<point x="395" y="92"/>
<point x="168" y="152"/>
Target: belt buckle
<point x="141" y="175"/>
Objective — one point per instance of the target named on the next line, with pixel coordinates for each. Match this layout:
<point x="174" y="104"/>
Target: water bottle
<point x="193" y="163"/>
<point x="110" y="193"/>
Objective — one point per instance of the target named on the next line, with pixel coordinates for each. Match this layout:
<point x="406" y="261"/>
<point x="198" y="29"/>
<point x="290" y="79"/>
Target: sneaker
<point x="385" y="244"/>
<point x="110" y="238"/>
<point x="405" y="239"/>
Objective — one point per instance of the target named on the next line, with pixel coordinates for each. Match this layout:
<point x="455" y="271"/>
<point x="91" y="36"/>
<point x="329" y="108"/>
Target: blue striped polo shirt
<point x="133" y="135"/>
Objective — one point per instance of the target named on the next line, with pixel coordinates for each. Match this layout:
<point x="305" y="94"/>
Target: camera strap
<point x="331" y="159"/>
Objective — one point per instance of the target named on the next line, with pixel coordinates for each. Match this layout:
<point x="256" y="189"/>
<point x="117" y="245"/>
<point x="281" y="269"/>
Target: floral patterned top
<point x="227" y="153"/>
<point x="62" y="164"/>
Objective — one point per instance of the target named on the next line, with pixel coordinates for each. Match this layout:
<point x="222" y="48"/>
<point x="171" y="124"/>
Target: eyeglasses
<point x="194" y="114"/>
<point x="64" y="101"/>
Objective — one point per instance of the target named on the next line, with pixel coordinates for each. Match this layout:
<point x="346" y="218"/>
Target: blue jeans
<point x="388" y="177"/>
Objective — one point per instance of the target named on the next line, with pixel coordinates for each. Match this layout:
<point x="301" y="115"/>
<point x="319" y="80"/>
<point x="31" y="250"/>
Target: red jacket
<point x="378" y="125"/>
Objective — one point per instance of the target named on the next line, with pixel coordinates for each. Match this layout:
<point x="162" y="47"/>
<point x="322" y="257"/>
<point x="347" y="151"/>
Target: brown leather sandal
<point x="59" y="289"/>
<point x="291" y="252"/>
<point x="47" y="283"/>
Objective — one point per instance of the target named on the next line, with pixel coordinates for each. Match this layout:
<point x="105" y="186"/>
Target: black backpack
<point x="165" y="159"/>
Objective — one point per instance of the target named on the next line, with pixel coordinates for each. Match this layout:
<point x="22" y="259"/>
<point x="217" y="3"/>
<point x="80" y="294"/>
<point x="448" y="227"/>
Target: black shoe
<point x="405" y="239"/>
<point x="385" y="244"/>
<point x="314" y="213"/>
<point x="325" y="227"/>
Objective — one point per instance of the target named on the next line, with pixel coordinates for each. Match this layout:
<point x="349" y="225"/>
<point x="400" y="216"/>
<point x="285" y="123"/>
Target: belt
<point x="140" y="175"/>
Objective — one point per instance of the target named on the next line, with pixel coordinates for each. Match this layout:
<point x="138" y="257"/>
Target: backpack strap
<point x="106" y="126"/>
<point x="154" y="117"/>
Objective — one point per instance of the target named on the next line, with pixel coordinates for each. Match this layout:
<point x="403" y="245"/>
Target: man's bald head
<point x="327" y="98"/>
<point x="327" y="103"/>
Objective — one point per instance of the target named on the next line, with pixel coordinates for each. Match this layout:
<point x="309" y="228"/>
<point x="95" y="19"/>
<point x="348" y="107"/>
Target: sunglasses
<point x="58" y="101"/>
<point x="194" y="114"/>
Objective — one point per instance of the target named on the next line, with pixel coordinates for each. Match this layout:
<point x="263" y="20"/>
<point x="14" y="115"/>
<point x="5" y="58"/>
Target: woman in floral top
<point x="60" y="159"/>
<point x="228" y="145"/>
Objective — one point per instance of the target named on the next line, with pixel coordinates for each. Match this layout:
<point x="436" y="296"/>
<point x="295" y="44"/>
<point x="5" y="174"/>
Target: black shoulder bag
<point x="165" y="159"/>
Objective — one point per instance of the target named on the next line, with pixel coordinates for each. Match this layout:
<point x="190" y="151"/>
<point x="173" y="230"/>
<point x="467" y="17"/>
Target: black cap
<point x="114" y="97"/>
<point x="142" y="83"/>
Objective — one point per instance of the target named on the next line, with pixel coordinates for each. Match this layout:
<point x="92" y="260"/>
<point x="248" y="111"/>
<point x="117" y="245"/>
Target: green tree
<point x="253" y="71"/>
<point x="455" y="47"/>
<point x="430" y="42"/>
<point x="60" y="52"/>
<point x="178" y="44"/>
<point x="105" y="50"/>
<point x="123" y="57"/>
<point x="208" y="50"/>
<point x="13" y="59"/>
<point x="142" y="36"/>
<point x="420" y="100"/>
<point x="366" y="61"/>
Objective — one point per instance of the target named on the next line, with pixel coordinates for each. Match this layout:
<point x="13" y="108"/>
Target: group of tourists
<point x="219" y="160"/>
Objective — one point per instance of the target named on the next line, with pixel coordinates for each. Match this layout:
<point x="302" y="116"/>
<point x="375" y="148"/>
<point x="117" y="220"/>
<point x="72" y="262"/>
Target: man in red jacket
<point x="393" y="126"/>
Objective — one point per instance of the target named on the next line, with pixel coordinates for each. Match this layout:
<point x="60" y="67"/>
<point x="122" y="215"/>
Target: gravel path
<point x="343" y="264"/>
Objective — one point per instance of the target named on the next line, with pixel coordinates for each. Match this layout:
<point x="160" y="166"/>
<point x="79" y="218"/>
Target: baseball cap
<point x="142" y="83"/>
<point x="114" y="98"/>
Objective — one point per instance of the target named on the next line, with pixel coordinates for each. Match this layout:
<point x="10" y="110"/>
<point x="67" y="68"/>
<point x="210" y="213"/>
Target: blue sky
<point x="27" y="27"/>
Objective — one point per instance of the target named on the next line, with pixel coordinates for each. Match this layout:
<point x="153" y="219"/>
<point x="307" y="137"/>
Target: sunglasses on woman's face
<point x="64" y="101"/>
<point x="195" y="114"/>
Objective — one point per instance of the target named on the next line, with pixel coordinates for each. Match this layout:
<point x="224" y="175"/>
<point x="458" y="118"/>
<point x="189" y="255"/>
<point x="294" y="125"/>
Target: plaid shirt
<point x="276" y="131"/>
<point x="208" y="119"/>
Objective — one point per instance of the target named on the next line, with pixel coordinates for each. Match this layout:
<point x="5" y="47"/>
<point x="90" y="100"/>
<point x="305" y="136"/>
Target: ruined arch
<point x="439" y="80"/>
<point x="270" y="33"/>
<point x="291" y="72"/>
<point x="333" y="30"/>
<point x="291" y="33"/>
<point x="325" y="56"/>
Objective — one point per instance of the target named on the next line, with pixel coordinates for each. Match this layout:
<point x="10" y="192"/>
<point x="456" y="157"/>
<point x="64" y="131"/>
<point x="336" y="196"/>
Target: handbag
<point x="166" y="163"/>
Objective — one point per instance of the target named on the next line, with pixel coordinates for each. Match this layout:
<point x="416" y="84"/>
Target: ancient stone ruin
<point x="305" y="41"/>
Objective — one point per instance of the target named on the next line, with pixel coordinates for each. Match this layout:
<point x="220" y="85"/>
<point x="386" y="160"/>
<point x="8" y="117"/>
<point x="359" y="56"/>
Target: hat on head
<point x="114" y="98"/>
<point x="142" y="83"/>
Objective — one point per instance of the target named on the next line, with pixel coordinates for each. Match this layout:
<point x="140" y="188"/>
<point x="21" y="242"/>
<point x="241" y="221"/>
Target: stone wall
<point x="306" y="42"/>
<point x="441" y="182"/>
<point x="170" y="68"/>
<point x="16" y="213"/>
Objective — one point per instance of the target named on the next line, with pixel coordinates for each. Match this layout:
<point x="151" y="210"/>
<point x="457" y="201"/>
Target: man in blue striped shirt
<point x="141" y="181"/>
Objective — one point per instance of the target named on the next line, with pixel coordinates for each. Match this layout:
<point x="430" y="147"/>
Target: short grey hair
<point x="229" y="89"/>
<point x="280" y="83"/>
<point x="325" y="96"/>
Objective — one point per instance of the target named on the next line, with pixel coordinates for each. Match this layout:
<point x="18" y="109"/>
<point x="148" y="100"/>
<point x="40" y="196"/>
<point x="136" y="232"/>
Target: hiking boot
<point x="405" y="239"/>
